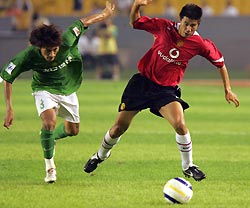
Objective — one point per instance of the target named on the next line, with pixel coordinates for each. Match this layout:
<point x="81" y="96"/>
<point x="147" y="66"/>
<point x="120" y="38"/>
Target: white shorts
<point x="66" y="106"/>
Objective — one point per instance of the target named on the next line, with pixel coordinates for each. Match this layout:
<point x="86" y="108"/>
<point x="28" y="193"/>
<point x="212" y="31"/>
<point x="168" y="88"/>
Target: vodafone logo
<point x="174" y="53"/>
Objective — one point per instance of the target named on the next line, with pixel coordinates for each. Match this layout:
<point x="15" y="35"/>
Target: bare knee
<point x="73" y="132"/>
<point x="49" y="125"/>
<point x="180" y="128"/>
<point x="117" y="130"/>
<point x="72" y="129"/>
<point x="48" y="119"/>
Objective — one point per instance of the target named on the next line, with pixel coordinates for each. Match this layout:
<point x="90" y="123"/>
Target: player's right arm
<point x="95" y="18"/>
<point x="9" y="115"/>
<point x="135" y="13"/>
<point x="9" y="73"/>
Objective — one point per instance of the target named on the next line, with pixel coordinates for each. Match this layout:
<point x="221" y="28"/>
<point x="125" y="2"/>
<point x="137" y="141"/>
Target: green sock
<point x="59" y="132"/>
<point x="47" y="141"/>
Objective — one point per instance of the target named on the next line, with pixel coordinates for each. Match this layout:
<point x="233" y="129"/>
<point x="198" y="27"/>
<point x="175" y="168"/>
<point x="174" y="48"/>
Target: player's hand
<point x="142" y="2"/>
<point x="231" y="97"/>
<point x="8" y="120"/>
<point x="110" y="8"/>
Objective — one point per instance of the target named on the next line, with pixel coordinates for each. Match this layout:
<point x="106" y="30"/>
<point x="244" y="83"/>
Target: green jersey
<point x="62" y="76"/>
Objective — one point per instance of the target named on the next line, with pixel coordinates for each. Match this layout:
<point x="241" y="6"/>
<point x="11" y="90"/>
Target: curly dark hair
<point x="46" y="36"/>
<point x="192" y="11"/>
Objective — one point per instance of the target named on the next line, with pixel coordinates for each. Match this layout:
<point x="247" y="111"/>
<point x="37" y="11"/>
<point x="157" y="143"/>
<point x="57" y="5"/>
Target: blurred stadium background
<point x="231" y="34"/>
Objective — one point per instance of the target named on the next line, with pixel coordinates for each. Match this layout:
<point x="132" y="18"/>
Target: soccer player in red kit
<point x="156" y="86"/>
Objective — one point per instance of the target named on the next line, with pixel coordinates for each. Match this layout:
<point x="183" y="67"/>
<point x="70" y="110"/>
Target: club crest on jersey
<point x="10" y="68"/>
<point x="76" y="31"/>
<point x="180" y="43"/>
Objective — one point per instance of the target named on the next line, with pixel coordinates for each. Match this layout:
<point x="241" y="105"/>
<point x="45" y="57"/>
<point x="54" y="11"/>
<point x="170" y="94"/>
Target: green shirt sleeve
<point x="73" y="33"/>
<point x="16" y="66"/>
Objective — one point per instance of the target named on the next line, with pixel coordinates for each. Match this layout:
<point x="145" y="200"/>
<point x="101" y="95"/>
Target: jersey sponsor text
<point x="64" y="64"/>
<point x="169" y="60"/>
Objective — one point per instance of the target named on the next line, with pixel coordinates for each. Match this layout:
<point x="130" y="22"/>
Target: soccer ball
<point x="178" y="191"/>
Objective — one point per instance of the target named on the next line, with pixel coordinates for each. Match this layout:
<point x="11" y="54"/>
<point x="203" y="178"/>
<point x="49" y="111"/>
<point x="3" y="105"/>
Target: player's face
<point x="49" y="53"/>
<point x="188" y="27"/>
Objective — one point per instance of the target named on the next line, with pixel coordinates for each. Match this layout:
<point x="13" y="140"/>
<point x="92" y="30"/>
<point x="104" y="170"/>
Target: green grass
<point x="140" y="165"/>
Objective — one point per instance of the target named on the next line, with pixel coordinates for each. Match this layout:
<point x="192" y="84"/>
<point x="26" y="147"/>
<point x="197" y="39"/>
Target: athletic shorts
<point x="141" y="93"/>
<point x="66" y="106"/>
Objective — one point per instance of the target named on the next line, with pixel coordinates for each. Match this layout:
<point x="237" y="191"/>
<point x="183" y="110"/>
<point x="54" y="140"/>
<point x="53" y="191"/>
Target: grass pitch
<point x="143" y="161"/>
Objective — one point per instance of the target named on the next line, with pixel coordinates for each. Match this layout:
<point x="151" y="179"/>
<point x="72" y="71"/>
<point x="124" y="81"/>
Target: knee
<point x="49" y="125"/>
<point x="73" y="132"/>
<point x="72" y="129"/>
<point x="180" y="128"/>
<point x="117" y="130"/>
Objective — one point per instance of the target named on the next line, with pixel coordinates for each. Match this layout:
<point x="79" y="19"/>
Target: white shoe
<point x="50" y="176"/>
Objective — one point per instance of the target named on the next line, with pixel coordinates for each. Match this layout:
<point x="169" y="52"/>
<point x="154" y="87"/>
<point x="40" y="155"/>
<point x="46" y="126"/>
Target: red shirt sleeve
<point x="212" y="53"/>
<point x="151" y="25"/>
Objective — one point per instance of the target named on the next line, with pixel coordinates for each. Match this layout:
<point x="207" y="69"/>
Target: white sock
<point x="49" y="163"/>
<point x="184" y="144"/>
<point x="107" y="145"/>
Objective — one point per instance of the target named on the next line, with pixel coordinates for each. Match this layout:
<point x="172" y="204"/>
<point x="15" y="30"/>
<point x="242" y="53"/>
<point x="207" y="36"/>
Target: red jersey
<point x="166" y="61"/>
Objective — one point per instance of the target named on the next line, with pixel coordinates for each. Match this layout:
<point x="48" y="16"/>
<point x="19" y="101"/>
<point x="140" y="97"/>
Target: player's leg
<point x="110" y="139"/>
<point x="66" y="129"/>
<point x="46" y="108"/>
<point x="72" y="129"/>
<point x="60" y="132"/>
<point x="69" y="110"/>
<point x="133" y="100"/>
<point x="47" y="140"/>
<point x="113" y="135"/>
<point x="173" y="112"/>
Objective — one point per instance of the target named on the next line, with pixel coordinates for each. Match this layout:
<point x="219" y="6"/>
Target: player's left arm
<point x="106" y="13"/>
<point x="229" y="95"/>
<point x="213" y="54"/>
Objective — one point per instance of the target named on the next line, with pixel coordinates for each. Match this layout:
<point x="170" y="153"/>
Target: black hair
<point x="192" y="11"/>
<point x="46" y="36"/>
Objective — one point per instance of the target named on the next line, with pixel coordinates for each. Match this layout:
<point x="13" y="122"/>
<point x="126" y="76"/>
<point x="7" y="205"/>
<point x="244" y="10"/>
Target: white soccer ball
<point x="178" y="191"/>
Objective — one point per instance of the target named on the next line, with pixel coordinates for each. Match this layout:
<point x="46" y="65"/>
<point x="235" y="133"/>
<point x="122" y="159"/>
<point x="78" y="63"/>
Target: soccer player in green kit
<point x="57" y="74"/>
